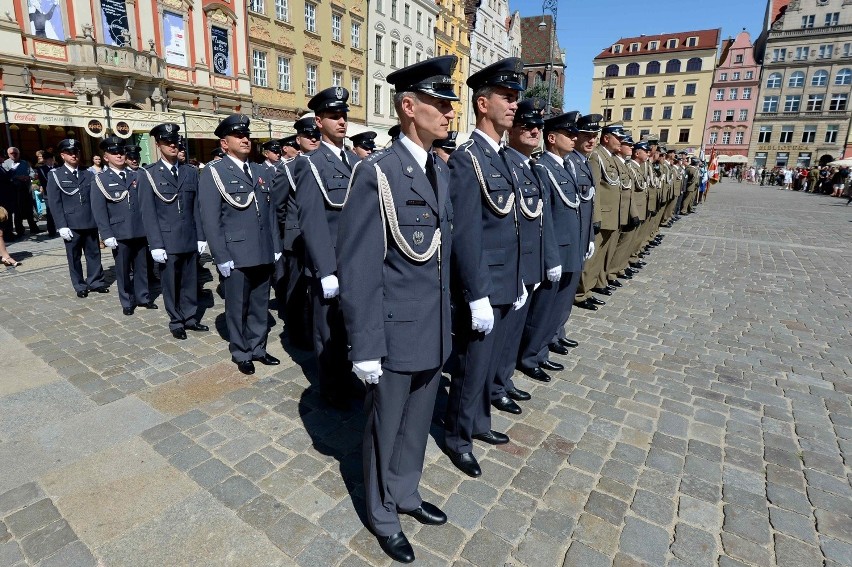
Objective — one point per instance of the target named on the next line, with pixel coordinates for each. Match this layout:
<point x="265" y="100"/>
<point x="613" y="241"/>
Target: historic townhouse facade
<point x="452" y="38"/>
<point x="537" y="40"/>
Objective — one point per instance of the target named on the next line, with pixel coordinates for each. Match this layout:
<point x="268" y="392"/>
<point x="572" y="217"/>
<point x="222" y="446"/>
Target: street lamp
<point x="551" y="6"/>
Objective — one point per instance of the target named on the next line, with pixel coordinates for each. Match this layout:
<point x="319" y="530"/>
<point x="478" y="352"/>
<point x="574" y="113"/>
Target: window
<point x="380" y="6"/>
<point x="831" y="133"/>
<point x="429" y="27"/>
<point x="792" y="103"/>
<point x="691" y="41"/>
<point x="796" y="79"/>
<point x="283" y="74"/>
<point x="831" y="19"/>
<point x="779" y="54"/>
<point x="394" y="11"/>
<point x="377" y="99"/>
<point x="337" y="78"/>
<point x="736" y="76"/>
<point x="689" y="89"/>
<point x="671" y="43"/>
<point x="713" y="137"/>
<point x="355" y="95"/>
<point x="664" y="135"/>
<point x="847" y="49"/>
<point x="616" y="48"/>
<point x="802" y="53"/>
<point x="608" y="93"/>
<point x="760" y="159"/>
<point x="723" y="76"/>
<point x="746" y="93"/>
<point x="825" y="51"/>
<point x="770" y="104"/>
<point x="743" y="115"/>
<point x="627" y="114"/>
<point x="310" y="17"/>
<point x="652" y="68"/>
<point x="670" y="90"/>
<point x="726" y="138"/>
<point x="687" y="111"/>
<point x="611" y="70"/>
<point x="378" y="48"/>
<point x="729" y="115"/>
<point x="717" y="116"/>
<point x="720" y="94"/>
<point x="782" y="158"/>
<point x="733" y="94"/>
<point x="838" y="101"/>
<point x="258" y="65"/>
<point x="632" y="69"/>
<point x="653" y="45"/>
<point x="673" y="66"/>
<point x="774" y="81"/>
<point x="738" y="137"/>
<point x="843" y="77"/>
<point x="667" y="113"/>
<point x="786" y="135"/>
<point x="765" y="135"/>
<point x="419" y="22"/>
<point x="648" y="113"/>
<point x="282" y="10"/>
<point x="629" y="92"/>
<point x="644" y="133"/>
<point x="683" y="136"/>
<point x="738" y="59"/>
<point x="815" y="102"/>
<point x="804" y="159"/>
<point x="391" y="107"/>
<point x="256" y="6"/>
<point x="356" y="35"/>
<point x="336" y="24"/>
<point x="607" y="114"/>
<point x="406" y="55"/>
<point x="694" y="64"/>
<point x="820" y="79"/>
<point x="809" y="135"/>
<point x="807" y="22"/>
<point x="407" y="15"/>
<point x="650" y="90"/>
<point x="749" y="75"/>
<point x="634" y="47"/>
<point x="311" y="78"/>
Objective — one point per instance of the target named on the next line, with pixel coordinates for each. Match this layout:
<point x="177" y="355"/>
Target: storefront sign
<point x="115" y="22"/>
<point x="221" y="51"/>
<point x="95" y="128"/>
<point x="783" y="147"/>
<point x="122" y="129"/>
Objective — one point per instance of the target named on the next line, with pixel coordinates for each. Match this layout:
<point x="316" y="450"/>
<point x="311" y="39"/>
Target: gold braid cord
<point x="570" y="204"/>
<point x="109" y="197"/>
<point x="157" y="193"/>
<point x="74" y="192"/>
<point x="217" y="181"/>
<point x="328" y="200"/>
<point x="510" y="202"/>
<point x="388" y="212"/>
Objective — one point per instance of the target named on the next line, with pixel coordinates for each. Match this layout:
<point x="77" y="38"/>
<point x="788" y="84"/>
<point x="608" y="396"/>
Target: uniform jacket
<point x="534" y="240"/>
<point x="121" y="220"/>
<point x="606" y="175"/>
<point x="692" y="178"/>
<point x="639" y="198"/>
<point x="284" y="194"/>
<point x="396" y="308"/>
<point x="172" y="226"/>
<point x="68" y="198"/>
<point x="316" y="215"/>
<point x="626" y="209"/>
<point x="245" y="235"/>
<point x="485" y="244"/>
<point x="565" y="217"/>
<point x="585" y="184"/>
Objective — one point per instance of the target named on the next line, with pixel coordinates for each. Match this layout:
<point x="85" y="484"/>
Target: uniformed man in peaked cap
<point x="486" y="259"/>
<point x="238" y="216"/>
<point x="132" y="154"/>
<point x="168" y="194"/>
<point x="364" y="143"/>
<point x="394" y="245"/>
<point x="289" y="148"/>
<point x="271" y="151"/>
<point x="68" y="191"/>
<point x="445" y="147"/>
<point x="631" y="219"/>
<point x="115" y="206"/>
<point x="322" y="182"/>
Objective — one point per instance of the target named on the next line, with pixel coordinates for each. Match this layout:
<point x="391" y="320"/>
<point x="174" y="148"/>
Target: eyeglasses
<point x="116" y="151"/>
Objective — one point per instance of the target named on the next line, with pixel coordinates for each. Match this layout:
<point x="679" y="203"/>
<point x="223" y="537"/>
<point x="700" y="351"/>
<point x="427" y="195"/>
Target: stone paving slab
<point x="705" y="419"/>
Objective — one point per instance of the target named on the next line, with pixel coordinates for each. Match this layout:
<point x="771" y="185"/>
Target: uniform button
<point x="390" y="315"/>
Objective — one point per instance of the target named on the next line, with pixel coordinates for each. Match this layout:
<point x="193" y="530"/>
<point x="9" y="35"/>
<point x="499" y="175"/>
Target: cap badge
<point x="338" y="92"/>
<point x="167" y="128"/>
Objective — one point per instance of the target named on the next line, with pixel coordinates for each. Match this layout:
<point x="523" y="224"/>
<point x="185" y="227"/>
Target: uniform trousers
<point x="399" y="413"/>
<point x="688" y="199"/>
<point x="469" y="401"/>
<point x="330" y="344"/>
<point x="562" y="307"/>
<point x="179" y="281"/>
<point x="609" y="246"/>
<point x="508" y="356"/>
<point x="621" y="254"/>
<point x="85" y="242"/>
<point x="247" y="311"/>
<point x="536" y="328"/>
<point x="131" y="257"/>
<point x="23" y="208"/>
<point x="294" y="307"/>
<point x="591" y="271"/>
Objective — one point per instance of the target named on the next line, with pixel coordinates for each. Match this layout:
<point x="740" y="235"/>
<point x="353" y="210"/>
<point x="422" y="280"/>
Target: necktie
<point x="75" y="174"/>
<point x="174" y="171"/>
<point x="508" y="165"/>
<point x="431" y="174"/>
<point x="343" y="158"/>
<point x="246" y="170"/>
<point x="123" y="176"/>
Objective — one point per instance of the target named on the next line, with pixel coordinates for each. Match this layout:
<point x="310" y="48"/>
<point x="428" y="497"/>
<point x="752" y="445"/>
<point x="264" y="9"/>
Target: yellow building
<point x="300" y="47"/>
<point x="658" y="85"/>
<point x="453" y="39"/>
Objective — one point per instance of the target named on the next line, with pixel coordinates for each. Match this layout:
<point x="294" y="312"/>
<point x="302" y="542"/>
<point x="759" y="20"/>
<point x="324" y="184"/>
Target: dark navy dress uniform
<point x="579" y="164"/>
<point x="68" y="195"/>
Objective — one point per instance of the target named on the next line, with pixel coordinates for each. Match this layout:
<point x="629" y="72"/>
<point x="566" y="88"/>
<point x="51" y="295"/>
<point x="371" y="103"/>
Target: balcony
<point x="123" y="61"/>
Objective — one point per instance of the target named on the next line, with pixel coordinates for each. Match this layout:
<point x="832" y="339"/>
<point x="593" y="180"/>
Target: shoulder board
<point x="467" y="144"/>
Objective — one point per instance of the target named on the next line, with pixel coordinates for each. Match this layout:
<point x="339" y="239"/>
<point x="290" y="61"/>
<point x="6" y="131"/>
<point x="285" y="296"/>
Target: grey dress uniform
<point x="68" y="194"/>
<point x="170" y="213"/>
<point x="115" y="206"/>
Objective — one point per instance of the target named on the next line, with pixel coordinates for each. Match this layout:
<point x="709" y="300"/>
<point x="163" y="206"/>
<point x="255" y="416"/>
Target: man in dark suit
<point x="68" y="192"/>
<point x="486" y="259"/>
<point x="322" y="182"/>
<point x="168" y="193"/>
<point x="115" y="206"/>
<point x="393" y="243"/>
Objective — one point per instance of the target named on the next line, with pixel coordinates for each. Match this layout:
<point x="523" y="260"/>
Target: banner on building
<point x="175" y="34"/>
<point x="46" y="19"/>
<point x="221" y="51"/>
<point x="116" y="28"/>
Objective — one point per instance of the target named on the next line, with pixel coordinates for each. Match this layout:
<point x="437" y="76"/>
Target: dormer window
<point x="634" y="47"/>
<point x="653" y="45"/>
<point x="691" y="41"/>
<point x="616" y="48"/>
<point x="671" y="43"/>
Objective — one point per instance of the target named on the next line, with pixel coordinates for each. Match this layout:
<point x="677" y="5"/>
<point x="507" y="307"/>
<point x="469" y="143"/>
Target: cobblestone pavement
<point x="704" y="419"/>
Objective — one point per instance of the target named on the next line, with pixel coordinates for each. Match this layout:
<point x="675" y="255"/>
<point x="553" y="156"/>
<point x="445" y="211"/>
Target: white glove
<point x="277" y="256"/>
<point x="111" y="242"/>
<point x="225" y="269"/>
<point x="201" y="246"/>
<point x="591" y="251"/>
<point x="522" y="299"/>
<point x="536" y="286"/>
<point x="159" y="255"/>
<point x="553" y="274"/>
<point x="368" y="370"/>
<point x="330" y="286"/>
<point x="481" y="315"/>
<point x="66" y="234"/>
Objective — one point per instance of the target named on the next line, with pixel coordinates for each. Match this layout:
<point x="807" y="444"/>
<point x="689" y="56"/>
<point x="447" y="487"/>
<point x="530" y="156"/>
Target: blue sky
<point x="586" y="27"/>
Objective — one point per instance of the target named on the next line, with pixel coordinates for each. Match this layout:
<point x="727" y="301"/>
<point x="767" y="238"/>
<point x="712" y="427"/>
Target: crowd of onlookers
<point x="835" y="181"/>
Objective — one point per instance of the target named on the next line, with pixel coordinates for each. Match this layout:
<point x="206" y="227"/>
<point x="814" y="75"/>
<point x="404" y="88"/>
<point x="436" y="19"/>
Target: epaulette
<point x="376" y="156"/>
<point x="467" y="144"/>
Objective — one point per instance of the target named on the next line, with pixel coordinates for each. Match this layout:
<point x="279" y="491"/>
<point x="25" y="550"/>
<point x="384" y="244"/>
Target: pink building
<point x="733" y="98"/>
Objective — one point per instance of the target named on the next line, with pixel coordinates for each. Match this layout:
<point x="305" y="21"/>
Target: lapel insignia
<point x="425" y="215"/>
<point x="238" y="198"/>
<point x="117" y="193"/>
<point x="529" y="201"/>
<point x="499" y="199"/>
<point x="418" y="237"/>
<point x="487" y="151"/>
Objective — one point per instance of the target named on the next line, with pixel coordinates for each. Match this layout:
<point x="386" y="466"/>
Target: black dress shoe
<point x="492" y="437"/>
<point x="179" y="334"/>
<point x="267" y="360"/>
<point x="197" y="327"/>
<point x="506" y="404"/>
<point x="558" y="349"/>
<point x="397" y="547"/>
<point x="518" y="394"/>
<point x="602" y="290"/>
<point x="642" y="254"/>
<point x="630" y="272"/>
<point x="550" y="365"/>
<point x="641" y="264"/>
<point x="616" y="283"/>
<point x="626" y="276"/>
<point x="570" y="343"/>
<point x="466" y="463"/>
<point x="246" y="366"/>
<point x="428" y="514"/>
<point x="127" y="310"/>
<point x="84" y="293"/>
<point x="595" y="301"/>
<point x="103" y="289"/>
<point x="150" y="305"/>
<point x="611" y="287"/>
<point x="536" y="374"/>
<point x="587" y="305"/>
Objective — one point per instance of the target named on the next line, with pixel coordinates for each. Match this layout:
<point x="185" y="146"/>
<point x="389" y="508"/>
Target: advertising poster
<point x="175" y="36"/>
<point x="114" y="21"/>
<point x="46" y="19"/>
<point x="221" y="52"/>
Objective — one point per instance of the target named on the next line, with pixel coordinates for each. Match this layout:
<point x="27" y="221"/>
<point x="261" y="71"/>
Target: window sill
<point x="285" y="23"/>
<point x="314" y="35"/>
<point x="337" y="43"/>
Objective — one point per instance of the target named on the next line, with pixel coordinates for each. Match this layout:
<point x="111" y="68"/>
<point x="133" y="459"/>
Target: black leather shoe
<point x="506" y="404"/>
<point x="639" y="264"/>
<point x="517" y="394"/>
<point x="100" y="289"/>
<point x="536" y="374"/>
<point x="179" y="334"/>
<point x="626" y="276"/>
<point x="150" y="305"/>
<point x="492" y="437"/>
<point x="550" y="365"/>
<point x="611" y="287"/>
<point x="602" y="290"/>
<point x="268" y="360"/>
<point x="570" y="343"/>
<point x="642" y="254"/>
<point x="616" y="283"/>
<point x="397" y="547"/>
<point x="246" y="367"/>
<point x="84" y="293"/>
<point x="587" y="305"/>
<point x="595" y="301"/>
<point x="558" y="349"/>
<point x="127" y="310"/>
<point x="428" y="514"/>
<point x="198" y="327"/>
<point x="631" y="271"/>
<point x="466" y="463"/>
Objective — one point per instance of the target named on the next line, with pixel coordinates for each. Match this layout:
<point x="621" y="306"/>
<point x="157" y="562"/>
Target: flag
<point x="713" y="169"/>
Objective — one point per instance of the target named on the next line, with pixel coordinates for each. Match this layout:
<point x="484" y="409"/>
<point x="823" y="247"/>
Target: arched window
<point x="694" y="64"/>
<point x="774" y="81"/>
<point x="612" y="70"/>
<point x="796" y="79"/>
<point x="653" y="68"/>
<point x="633" y="69"/>
<point x="820" y="79"/>
<point x="539" y="78"/>
<point x="673" y="66"/>
<point x="843" y="77"/>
